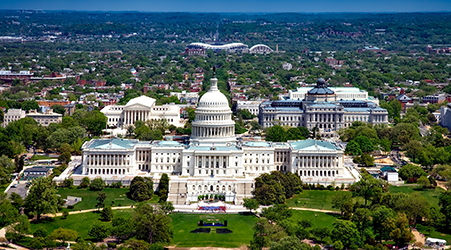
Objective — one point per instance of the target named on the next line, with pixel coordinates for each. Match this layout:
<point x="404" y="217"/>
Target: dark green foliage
<point x="101" y="196"/>
<point x="163" y="187"/>
<point x="141" y="189"/>
<point x="276" y="187"/>
<point x="99" y="231"/>
<point x="353" y="148"/>
<point x="410" y="170"/>
<point x="42" y="197"/>
<point x="346" y="232"/>
<point x="277" y="212"/>
<point x="85" y="182"/>
<point x="151" y="226"/>
<point x="97" y="184"/>
<point x="107" y="214"/>
<point x="445" y="207"/>
<point x="276" y="134"/>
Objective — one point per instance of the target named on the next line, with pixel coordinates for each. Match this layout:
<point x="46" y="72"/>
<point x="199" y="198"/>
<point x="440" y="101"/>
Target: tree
<point x="42" y="197"/>
<point x="294" y="134"/>
<point x="383" y="222"/>
<point x="150" y="225"/>
<point x="353" y="148"/>
<point x="401" y="234"/>
<point x="445" y="206"/>
<point x="365" y="144"/>
<point x="40" y="232"/>
<point x="277" y="212"/>
<point x="251" y="204"/>
<point x="424" y="182"/>
<point x="361" y="218"/>
<point x="64" y="157"/>
<point x="276" y="134"/>
<point x="85" y="182"/>
<point x="166" y="207"/>
<point x="410" y="170"/>
<point x="135" y="244"/>
<point x="101" y="196"/>
<point x="99" y="231"/>
<point x="97" y="184"/>
<point x="122" y="228"/>
<point x="368" y="187"/>
<point x="338" y="245"/>
<point x="340" y="200"/>
<point x="107" y="214"/>
<point x="8" y="213"/>
<point x="265" y="233"/>
<point x="94" y="122"/>
<point x="163" y="187"/>
<point x="23" y="225"/>
<point x="346" y="232"/>
<point x="64" y="234"/>
<point x="58" y="109"/>
<point x="364" y="160"/>
<point x="68" y="183"/>
<point x="141" y="189"/>
<point x="290" y="243"/>
<point x="17" y="200"/>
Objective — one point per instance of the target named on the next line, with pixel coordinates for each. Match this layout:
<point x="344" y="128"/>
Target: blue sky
<point x="310" y="6"/>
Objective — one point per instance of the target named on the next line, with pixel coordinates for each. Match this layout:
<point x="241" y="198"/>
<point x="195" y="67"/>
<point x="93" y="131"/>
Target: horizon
<point x="234" y="6"/>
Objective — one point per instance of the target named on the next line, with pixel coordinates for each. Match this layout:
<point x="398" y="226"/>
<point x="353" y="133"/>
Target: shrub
<point x="97" y="184"/>
<point x="40" y="232"/>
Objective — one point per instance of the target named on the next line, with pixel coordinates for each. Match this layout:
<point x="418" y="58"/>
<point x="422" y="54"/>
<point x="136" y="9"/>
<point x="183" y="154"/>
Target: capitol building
<point x="214" y="161"/>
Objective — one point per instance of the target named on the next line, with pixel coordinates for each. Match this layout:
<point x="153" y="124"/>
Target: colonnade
<point x="108" y="160"/>
<point x="214" y="131"/>
<point x="317" y="173"/>
<point x="316" y="161"/>
<point x="211" y="161"/>
<point x="130" y="116"/>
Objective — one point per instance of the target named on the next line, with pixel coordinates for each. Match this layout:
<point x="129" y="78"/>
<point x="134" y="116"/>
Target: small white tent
<point x="434" y="241"/>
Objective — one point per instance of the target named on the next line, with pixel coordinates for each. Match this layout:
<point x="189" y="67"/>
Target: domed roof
<point x="213" y="98"/>
<point x="321" y="88"/>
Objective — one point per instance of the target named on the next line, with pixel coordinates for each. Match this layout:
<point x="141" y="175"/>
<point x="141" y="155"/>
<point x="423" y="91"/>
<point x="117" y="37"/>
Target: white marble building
<point x="214" y="162"/>
<point x="141" y="108"/>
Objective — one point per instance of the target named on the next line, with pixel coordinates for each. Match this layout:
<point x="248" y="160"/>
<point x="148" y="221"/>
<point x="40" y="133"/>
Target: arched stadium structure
<point x="201" y="48"/>
<point x="260" y="49"/>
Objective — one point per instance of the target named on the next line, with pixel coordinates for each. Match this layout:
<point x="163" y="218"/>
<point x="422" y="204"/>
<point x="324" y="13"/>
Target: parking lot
<point x="21" y="189"/>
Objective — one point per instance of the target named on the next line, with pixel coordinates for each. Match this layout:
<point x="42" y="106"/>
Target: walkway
<point x="315" y="210"/>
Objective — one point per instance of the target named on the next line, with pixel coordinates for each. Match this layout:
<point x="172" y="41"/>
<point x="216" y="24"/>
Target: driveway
<point x="20" y="189"/>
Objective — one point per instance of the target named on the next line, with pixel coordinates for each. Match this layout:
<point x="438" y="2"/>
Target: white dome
<point x="213" y="98"/>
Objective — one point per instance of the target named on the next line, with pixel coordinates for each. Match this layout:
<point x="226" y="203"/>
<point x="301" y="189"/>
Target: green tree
<point x="97" y="184"/>
<point x="107" y="214"/>
<point x="383" y="222"/>
<point x="362" y="219"/>
<point x="22" y="226"/>
<point x="346" y="232"/>
<point x="445" y="206"/>
<point x="68" y="183"/>
<point x="365" y="144"/>
<point x="8" y="213"/>
<point x="42" y="197"/>
<point x="410" y="170"/>
<point x="163" y="187"/>
<point x="166" y="207"/>
<point x="365" y="160"/>
<point x="276" y="134"/>
<point x="101" y="196"/>
<point x="338" y="245"/>
<point x="134" y="244"/>
<point x="58" y="109"/>
<point x="290" y="243"/>
<point x="424" y="182"/>
<point x="99" y="231"/>
<point x="353" y="148"/>
<point x="294" y="134"/>
<point x="368" y="187"/>
<point x="40" y="232"/>
<point x="141" y="189"/>
<point x="122" y="228"/>
<point x="341" y="200"/>
<point x="94" y="122"/>
<point x="64" y="234"/>
<point x="265" y="233"/>
<point x="85" y="182"/>
<point x="251" y="204"/>
<point x="150" y="225"/>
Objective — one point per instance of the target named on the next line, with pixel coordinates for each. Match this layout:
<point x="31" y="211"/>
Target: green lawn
<point x="41" y="157"/>
<point x="78" y="222"/>
<point x="241" y="225"/>
<point x="431" y="195"/>
<point x="118" y="195"/>
<point x="317" y="199"/>
<point x="434" y="234"/>
<point x="317" y="219"/>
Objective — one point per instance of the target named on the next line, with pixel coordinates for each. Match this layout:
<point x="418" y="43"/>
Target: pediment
<point x="137" y="106"/>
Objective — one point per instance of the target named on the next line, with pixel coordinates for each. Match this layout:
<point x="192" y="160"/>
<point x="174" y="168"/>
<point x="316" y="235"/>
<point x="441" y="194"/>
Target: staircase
<point x="177" y="193"/>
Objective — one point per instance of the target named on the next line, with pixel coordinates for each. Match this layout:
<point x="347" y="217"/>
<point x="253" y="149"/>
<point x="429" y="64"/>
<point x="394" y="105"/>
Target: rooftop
<point x="112" y="144"/>
<point x="310" y="144"/>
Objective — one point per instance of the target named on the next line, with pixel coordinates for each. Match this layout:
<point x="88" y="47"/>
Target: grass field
<point x="317" y="219"/>
<point x="78" y="222"/>
<point x="41" y="157"/>
<point x="118" y="195"/>
<point x="241" y="225"/>
<point x="317" y="199"/>
<point x="431" y="195"/>
<point x="434" y="234"/>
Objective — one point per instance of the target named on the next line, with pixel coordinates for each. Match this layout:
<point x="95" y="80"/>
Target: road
<point x="21" y="189"/>
<point x="394" y="156"/>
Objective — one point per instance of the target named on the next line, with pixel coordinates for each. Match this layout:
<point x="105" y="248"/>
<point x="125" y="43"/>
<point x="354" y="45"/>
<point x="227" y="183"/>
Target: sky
<point x="265" y="6"/>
